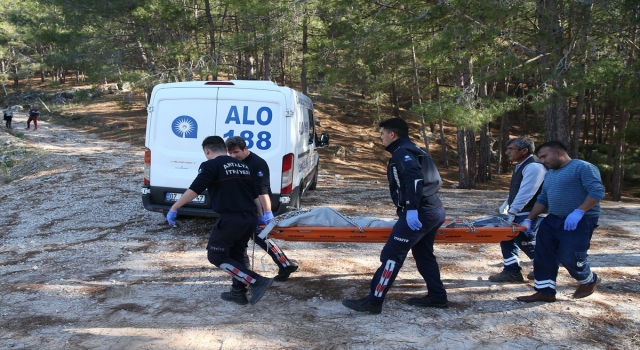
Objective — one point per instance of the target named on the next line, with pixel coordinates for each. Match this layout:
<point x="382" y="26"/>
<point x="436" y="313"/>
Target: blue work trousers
<point x="556" y="246"/>
<point x="525" y="241"/>
<point x="269" y="246"/>
<point x="420" y="242"/>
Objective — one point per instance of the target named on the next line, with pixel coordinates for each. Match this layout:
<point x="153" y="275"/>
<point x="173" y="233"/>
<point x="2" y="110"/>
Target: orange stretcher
<point x="447" y="233"/>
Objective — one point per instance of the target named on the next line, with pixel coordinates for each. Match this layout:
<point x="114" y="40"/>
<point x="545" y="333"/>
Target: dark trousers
<point x="276" y="254"/>
<point x="227" y="244"/>
<point x="394" y="252"/>
<point x="556" y="246"/>
<point x="525" y="241"/>
<point x="7" y="122"/>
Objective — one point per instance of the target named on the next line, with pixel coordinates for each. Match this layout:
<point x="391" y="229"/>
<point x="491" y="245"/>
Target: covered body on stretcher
<point x="325" y="224"/>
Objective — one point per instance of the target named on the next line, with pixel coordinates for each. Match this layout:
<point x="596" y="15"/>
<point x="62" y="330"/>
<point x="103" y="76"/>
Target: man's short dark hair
<point x="236" y="141"/>
<point x="522" y="143"/>
<point x="214" y="144"/>
<point x="554" y="145"/>
<point x="397" y="125"/>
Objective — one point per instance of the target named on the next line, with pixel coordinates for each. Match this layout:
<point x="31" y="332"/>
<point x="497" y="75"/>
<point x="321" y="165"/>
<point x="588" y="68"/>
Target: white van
<point x="276" y="122"/>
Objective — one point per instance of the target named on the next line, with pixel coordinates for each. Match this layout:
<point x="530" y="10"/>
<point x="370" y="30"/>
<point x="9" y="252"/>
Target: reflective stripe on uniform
<point x="237" y="274"/>
<point x="545" y="284"/>
<point x="587" y="280"/>
<point x="384" y="278"/>
<point x="512" y="260"/>
<point x="271" y="245"/>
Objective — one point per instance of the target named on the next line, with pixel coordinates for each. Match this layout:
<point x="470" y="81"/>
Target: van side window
<point x="312" y="127"/>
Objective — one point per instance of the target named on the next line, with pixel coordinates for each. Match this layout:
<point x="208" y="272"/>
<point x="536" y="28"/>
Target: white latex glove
<point x="511" y="214"/>
<point x="503" y="208"/>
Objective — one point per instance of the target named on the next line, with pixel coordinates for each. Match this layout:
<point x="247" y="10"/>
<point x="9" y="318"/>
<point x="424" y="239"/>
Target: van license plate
<point x="172" y="197"/>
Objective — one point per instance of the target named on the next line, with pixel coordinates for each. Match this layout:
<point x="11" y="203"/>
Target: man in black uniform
<point x="237" y="148"/>
<point x="234" y="197"/>
<point x="414" y="183"/>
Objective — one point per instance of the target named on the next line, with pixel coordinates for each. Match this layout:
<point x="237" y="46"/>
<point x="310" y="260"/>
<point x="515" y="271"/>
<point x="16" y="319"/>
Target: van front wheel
<point x="314" y="182"/>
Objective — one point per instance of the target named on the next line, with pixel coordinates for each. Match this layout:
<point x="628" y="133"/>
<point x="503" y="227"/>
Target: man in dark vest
<point x="525" y="186"/>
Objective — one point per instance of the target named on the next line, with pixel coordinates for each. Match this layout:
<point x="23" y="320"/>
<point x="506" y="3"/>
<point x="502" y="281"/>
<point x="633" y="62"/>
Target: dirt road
<point x="84" y="266"/>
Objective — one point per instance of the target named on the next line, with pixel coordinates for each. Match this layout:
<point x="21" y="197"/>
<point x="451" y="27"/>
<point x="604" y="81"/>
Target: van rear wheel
<point x="295" y="200"/>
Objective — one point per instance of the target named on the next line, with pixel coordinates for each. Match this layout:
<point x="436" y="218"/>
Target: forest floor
<point x="85" y="266"/>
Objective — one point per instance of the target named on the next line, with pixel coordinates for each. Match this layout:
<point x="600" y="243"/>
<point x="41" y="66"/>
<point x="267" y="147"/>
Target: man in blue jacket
<point x="414" y="182"/>
<point x="572" y="191"/>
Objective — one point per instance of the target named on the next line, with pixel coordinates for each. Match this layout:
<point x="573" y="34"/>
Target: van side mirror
<point x="324" y="140"/>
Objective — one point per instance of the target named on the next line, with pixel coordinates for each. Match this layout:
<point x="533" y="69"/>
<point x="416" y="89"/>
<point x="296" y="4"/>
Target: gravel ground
<point x="84" y="266"/>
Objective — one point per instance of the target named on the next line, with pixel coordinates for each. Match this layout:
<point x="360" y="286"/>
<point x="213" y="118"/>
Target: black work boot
<point x="362" y="305"/>
<point x="237" y="296"/>
<point x="505" y="276"/>
<point x="258" y="288"/>
<point x="283" y="273"/>
<point x="428" y="301"/>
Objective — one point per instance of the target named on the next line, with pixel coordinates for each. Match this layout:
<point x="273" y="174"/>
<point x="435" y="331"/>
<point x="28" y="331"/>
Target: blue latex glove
<point x="526" y="223"/>
<point x="262" y="221"/>
<point x="412" y="220"/>
<point x="268" y="216"/>
<point x="571" y="222"/>
<point x="171" y="217"/>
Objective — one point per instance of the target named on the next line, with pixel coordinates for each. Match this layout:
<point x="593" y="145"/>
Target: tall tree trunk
<point x="463" y="174"/>
<point x="472" y="151"/>
<point x="283" y="59"/>
<point x="249" y="66"/>
<point x="443" y="141"/>
<point x="556" y="117"/>
<point x="267" y="64"/>
<point x="575" y="140"/>
<point x="587" y="122"/>
<point x="610" y="127"/>
<point x="552" y="73"/>
<point x="503" y="137"/>
<point x="416" y="81"/>
<point x="305" y="35"/>
<point x="484" y="164"/>
<point x="212" y="31"/>
<point x="583" y="22"/>
<point x="484" y="151"/>
<point x="143" y="55"/>
<point x="623" y="119"/>
<point x="464" y="81"/>
<point x="218" y="58"/>
<point x="618" y="164"/>
<point x="443" y="144"/>
<point x="394" y="97"/>
<point x="42" y="72"/>
<point x="596" y="125"/>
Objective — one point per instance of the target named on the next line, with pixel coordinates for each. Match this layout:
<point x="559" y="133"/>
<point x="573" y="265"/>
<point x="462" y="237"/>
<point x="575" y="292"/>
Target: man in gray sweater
<point x="571" y="192"/>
